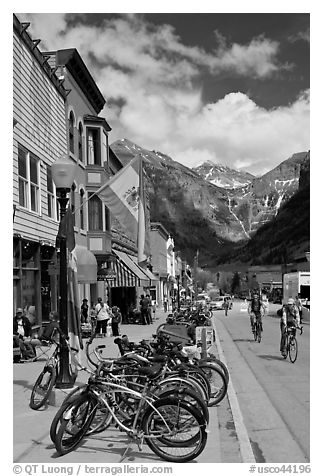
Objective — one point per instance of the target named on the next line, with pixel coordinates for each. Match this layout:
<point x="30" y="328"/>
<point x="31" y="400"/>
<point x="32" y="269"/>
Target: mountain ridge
<point x="202" y="215"/>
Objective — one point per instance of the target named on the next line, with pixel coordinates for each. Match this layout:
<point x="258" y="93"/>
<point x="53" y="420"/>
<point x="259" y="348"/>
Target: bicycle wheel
<point x="219" y="363"/>
<point x="77" y="419"/>
<point x="101" y="420"/>
<point x="217" y="381"/>
<point x="292" y="349"/>
<point x="73" y="395"/>
<point x="259" y="333"/>
<point x="188" y="396"/>
<point x="42" y="388"/>
<point x="194" y="372"/>
<point x="174" y="431"/>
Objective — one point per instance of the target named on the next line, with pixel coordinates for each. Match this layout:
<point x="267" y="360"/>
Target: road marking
<point x="242" y="434"/>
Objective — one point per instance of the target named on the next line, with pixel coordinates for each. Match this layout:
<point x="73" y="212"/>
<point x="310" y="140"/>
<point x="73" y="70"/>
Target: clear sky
<point x="228" y="87"/>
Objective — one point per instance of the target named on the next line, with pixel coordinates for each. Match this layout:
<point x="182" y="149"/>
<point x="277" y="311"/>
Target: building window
<point x="80" y="142"/>
<point x="72" y="202"/>
<point x="82" y="209"/>
<point x="107" y="218"/>
<point x="95" y="213"/>
<point x="28" y="178"/>
<point x="93" y="146"/>
<point x="71" y="132"/>
<point x="51" y="199"/>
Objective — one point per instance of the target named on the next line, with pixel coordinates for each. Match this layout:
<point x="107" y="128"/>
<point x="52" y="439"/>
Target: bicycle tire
<point x="188" y="396"/>
<point x="49" y="373"/>
<point x="60" y="412"/>
<point x="258" y="333"/>
<point x="196" y="384"/>
<point x="217" y="381"/>
<point x="175" y="381"/>
<point x="77" y="419"/>
<point x="292" y="349"/>
<point x="222" y="367"/>
<point x="163" y="445"/>
<point x="193" y="371"/>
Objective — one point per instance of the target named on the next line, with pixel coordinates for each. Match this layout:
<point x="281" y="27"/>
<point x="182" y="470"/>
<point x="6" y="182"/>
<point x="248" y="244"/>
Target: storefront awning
<point x="128" y="273"/>
<point x="86" y="265"/>
<point x="152" y="277"/>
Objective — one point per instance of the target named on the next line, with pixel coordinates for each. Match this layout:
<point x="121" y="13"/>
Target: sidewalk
<point x="31" y="439"/>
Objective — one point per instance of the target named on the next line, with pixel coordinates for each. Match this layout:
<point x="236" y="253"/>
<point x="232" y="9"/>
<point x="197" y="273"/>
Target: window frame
<point x="71" y="132"/>
<point x="96" y="141"/>
<point x="28" y="183"/>
<point x="82" y="212"/>
<point x="80" y="142"/>
<point x="52" y="196"/>
<point x="90" y="212"/>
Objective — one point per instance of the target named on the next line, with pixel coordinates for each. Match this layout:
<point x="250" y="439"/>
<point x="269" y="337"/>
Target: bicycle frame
<point x="114" y="388"/>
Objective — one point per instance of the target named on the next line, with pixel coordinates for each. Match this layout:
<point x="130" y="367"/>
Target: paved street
<point x="267" y="403"/>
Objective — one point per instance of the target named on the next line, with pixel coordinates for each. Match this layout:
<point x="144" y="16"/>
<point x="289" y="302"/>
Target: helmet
<point x="290" y="301"/>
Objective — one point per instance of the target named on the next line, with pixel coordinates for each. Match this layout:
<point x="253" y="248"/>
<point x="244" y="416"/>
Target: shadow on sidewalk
<point x="24" y="383"/>
<point x="271" y="357"/>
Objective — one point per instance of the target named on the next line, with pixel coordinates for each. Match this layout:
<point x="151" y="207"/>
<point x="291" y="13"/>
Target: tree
<point x="235" y="284"/>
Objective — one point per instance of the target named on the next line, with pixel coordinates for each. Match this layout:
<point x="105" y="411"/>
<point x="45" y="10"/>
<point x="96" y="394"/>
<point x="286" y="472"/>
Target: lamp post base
<point x="65" y="379"/>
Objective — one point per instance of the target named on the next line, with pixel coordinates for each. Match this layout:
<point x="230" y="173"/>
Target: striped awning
<point x="152" y="277"/>
<point x="128" y="273"/>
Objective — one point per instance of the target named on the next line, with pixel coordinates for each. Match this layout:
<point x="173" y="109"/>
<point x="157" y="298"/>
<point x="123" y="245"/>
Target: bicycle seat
<point x="151" y="372"/>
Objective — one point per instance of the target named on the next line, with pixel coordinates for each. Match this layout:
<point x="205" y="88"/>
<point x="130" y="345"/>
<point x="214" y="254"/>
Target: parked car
<point x="217" y="303"/>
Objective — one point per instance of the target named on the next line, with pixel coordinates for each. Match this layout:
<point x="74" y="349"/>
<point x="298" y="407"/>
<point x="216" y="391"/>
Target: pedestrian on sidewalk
<point x="84" y="311"/>
<point x="115" y="321"/>
<point x="103" y="316"/>
<point x="144" y="304"/>
<point x="150" y="317"/>
<point x="165" y="304"/>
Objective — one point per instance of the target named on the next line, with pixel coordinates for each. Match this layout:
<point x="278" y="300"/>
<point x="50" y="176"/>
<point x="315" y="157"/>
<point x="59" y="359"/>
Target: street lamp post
<point x="63" y="173"/>
<point x="178" y="298"/>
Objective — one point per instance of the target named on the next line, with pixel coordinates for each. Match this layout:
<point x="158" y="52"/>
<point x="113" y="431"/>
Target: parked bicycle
<point x="48" y="376"/>
<point x="124" y="392"/>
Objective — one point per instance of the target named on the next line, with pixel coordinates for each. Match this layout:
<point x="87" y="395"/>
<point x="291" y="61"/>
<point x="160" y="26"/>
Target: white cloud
<point x="152" y="84"/>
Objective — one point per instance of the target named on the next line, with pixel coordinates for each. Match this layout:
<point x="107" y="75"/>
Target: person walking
<point x="150" y="317"/>
<point x="144" y="304"/>
<point x="165" y="304"/>
<point x="84" y="311"/>
<point x="103" y="315"/>
<point x="115" y="321"/>
<point x="226" y="306"/>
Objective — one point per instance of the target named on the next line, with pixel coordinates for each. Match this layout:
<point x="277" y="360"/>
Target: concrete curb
<point x="242" y="434"/>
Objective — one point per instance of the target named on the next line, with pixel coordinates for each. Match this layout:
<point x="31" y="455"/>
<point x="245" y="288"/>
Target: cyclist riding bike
<point x="290" y="318"/>
<point x="256" y="310"/>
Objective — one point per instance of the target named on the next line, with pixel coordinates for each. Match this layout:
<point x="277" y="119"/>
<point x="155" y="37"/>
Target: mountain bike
<point x="48" y="376"/>
<point x="290" y="343"/>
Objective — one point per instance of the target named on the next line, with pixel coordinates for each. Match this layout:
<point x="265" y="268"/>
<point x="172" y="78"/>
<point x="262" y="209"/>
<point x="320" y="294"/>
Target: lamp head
<point x="63" y="172"/>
